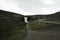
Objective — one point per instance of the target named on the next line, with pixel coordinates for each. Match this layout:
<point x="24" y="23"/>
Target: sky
<point x="31" y="7"/>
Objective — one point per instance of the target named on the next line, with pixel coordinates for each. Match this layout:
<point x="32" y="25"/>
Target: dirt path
<point x="28" y="37"/>
<point x="46" y="35"/>
<point x="49" y="22"/>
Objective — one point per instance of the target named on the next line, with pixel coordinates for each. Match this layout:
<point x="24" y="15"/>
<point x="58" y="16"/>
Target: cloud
<point x="48" y="2"/>
<point x="10" y="5"/>
<point x="30" y="7"/>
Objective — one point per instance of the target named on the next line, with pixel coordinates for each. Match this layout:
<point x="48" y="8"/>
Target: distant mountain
<point x="11" y="16"/>
<point x="19" y="17"/>
<point x="52" y="17"/>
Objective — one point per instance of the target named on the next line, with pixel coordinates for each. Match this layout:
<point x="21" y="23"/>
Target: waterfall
<point x="28" y="37"/>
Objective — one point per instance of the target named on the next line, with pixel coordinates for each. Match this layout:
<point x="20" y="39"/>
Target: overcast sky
<point x="31" y="7"/>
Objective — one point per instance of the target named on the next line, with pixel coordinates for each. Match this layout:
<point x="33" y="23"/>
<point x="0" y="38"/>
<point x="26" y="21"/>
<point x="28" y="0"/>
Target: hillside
<point x="12" y="26"/>
<point x="52" y="17"/>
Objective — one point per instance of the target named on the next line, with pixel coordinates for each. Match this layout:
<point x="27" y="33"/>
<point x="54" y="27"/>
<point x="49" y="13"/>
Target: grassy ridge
<point x="37" y="26"/>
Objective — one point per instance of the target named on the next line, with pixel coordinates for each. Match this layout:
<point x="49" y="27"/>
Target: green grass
<point x="37" y="26"/>
<point x="12" y="28"/>
<point x="12" y="31"/>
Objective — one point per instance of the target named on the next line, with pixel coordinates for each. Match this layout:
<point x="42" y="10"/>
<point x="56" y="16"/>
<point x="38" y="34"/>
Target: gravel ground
<point x="45" y="35"/>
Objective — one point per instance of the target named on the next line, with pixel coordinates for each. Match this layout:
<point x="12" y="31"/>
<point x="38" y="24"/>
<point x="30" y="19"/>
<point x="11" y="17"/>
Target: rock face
<point x="12" y="26"/>
<point x="52" y="17"/>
